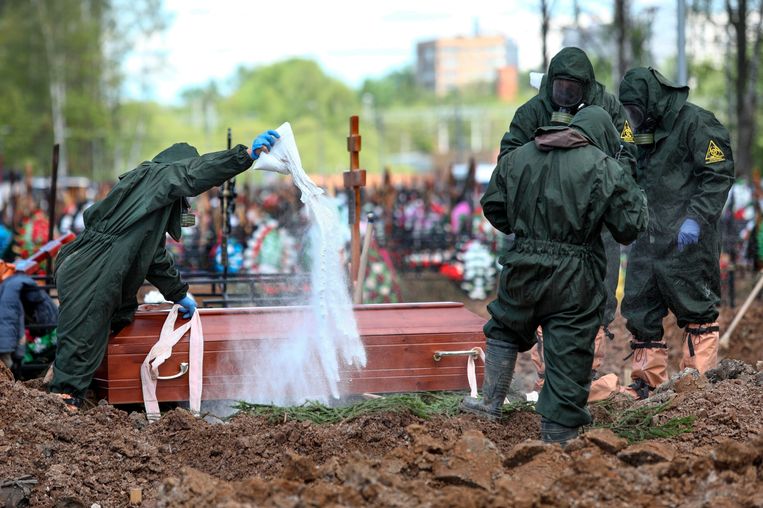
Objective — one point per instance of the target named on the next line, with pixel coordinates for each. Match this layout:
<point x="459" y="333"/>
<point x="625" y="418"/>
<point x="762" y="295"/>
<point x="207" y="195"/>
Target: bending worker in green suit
<point x="555" y="194"/>
<point x="123" y="244"/>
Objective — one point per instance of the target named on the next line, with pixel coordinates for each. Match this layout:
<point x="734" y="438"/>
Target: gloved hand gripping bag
<point x="284" y="154"/>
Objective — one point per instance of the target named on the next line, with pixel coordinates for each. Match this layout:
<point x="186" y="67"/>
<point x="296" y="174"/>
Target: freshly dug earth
<point x="387" y="459"/>
<point x="53" y="458"/>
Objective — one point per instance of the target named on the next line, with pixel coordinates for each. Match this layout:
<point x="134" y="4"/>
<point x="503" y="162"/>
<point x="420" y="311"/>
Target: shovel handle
<point x="724" y="341"/>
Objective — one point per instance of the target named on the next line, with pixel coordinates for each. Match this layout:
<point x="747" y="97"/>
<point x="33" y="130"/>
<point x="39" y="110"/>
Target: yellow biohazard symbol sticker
<point x="714" y="154"/>
<point x="627" y="133"/>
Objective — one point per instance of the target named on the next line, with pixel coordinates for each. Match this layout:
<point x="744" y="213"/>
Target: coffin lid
<point x="251" y="323"/>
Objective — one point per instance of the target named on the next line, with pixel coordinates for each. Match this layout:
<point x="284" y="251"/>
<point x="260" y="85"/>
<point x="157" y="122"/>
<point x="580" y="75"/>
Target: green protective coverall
<point x="556" y="195"/>
<point x="687" y="172"/>
<point x="98" y="275"/>
<point x="574" y="63"/>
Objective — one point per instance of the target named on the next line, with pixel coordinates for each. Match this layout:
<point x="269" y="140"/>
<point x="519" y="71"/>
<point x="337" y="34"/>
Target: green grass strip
<point x="423" y="405"/>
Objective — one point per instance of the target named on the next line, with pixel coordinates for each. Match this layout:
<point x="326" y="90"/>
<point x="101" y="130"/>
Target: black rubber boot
<point x="500" y="359"/>
<point x="552" y="432"/>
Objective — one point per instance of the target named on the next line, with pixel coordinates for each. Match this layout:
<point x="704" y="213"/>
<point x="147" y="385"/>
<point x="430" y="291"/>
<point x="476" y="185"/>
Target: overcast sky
<point x="352" y="40"/>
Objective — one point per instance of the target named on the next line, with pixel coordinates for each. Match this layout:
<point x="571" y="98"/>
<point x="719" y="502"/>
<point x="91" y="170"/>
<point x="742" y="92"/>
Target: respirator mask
<point x="642" y="124"/>
<point x="567" y="96"/>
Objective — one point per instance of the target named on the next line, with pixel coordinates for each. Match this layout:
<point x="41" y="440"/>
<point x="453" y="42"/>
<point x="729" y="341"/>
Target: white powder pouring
<point x="306" y="366"/>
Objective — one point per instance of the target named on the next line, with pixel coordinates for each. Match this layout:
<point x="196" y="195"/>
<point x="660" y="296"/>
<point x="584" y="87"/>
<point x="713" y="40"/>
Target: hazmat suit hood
<point x="177" y="152"/>
<point x="660" y="99"/>
<point x="596" y="125"/>
<point x="570" y="63"/>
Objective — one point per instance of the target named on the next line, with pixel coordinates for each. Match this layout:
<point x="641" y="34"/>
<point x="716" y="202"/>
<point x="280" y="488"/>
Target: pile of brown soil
<point x="719" y="464"/>
<point x="99" y="456"/>
<point x="597" y="470"/>
<point x="53" y="458"/>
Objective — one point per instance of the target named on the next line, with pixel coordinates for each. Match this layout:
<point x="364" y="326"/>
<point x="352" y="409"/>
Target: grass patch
<point x="424" y="405"/>
<point x="639" y="424"/>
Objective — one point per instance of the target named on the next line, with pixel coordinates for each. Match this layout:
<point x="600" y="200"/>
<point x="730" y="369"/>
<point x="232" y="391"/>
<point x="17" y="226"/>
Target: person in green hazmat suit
<point x="556" y="194"/>
<point x="570" y="84"/>
<point x="98" y="274"/>
<point x="686" y="167"/>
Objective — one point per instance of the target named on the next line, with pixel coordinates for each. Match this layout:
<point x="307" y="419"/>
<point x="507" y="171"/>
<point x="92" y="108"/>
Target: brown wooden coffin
<point x="401" y="342"/>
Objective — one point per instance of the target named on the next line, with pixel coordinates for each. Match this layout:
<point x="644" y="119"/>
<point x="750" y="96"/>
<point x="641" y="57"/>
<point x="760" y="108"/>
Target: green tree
<point x="745" y="28"/>
<point x="24" y="111"/>
<point x="396" y="88"/>
<point x="300" y="92"/>
<point x="61" y="83"/>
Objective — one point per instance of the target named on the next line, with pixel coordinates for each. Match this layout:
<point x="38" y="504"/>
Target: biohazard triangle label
<point x="714" y="154"/>
<point x="627" y="133"/>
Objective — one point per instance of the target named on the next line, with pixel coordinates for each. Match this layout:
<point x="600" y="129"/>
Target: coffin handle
<point x="183" y="372"/>
<point x="439" y="355"/>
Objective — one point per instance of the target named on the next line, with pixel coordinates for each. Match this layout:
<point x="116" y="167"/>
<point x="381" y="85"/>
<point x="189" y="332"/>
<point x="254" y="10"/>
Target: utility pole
<point x="682" y="77"/>
<point x="622" y="26"/>
<point x="545" y="11"/>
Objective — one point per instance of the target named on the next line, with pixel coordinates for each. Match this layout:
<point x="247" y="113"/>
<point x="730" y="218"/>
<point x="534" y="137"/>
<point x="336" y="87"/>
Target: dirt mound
<point x="730" y="408"/>
<point x="470" y="471"/>
<point x="5" y="373"/>
<point x="53" y="458"/>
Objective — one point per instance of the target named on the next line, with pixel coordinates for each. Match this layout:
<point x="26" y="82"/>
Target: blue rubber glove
<point x="264" y="141"/>
<point x="688" y="234"/>
<point x="187" y="306"/>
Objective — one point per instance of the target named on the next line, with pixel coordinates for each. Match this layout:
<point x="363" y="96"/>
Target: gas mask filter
<point x="187" y="219"/>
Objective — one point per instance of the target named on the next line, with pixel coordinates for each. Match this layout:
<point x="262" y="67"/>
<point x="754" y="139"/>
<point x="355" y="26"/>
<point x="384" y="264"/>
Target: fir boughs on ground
<point x="632" y="423"/>
<point x="424" y="405"/>
<point x="639" y="423"/>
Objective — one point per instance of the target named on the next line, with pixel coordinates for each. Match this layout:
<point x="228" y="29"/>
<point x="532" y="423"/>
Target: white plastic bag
<point x="283" y="155"/>
<point x="284" y="158"/>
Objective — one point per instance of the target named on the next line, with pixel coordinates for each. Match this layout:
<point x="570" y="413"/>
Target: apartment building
<point x="443" y="65"/>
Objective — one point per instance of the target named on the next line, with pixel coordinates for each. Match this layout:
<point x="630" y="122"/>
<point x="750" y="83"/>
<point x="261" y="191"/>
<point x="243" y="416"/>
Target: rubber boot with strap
<point x="500" y="359"/>
<point x="700" y="347"/>
<point x="650" y="367"/>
